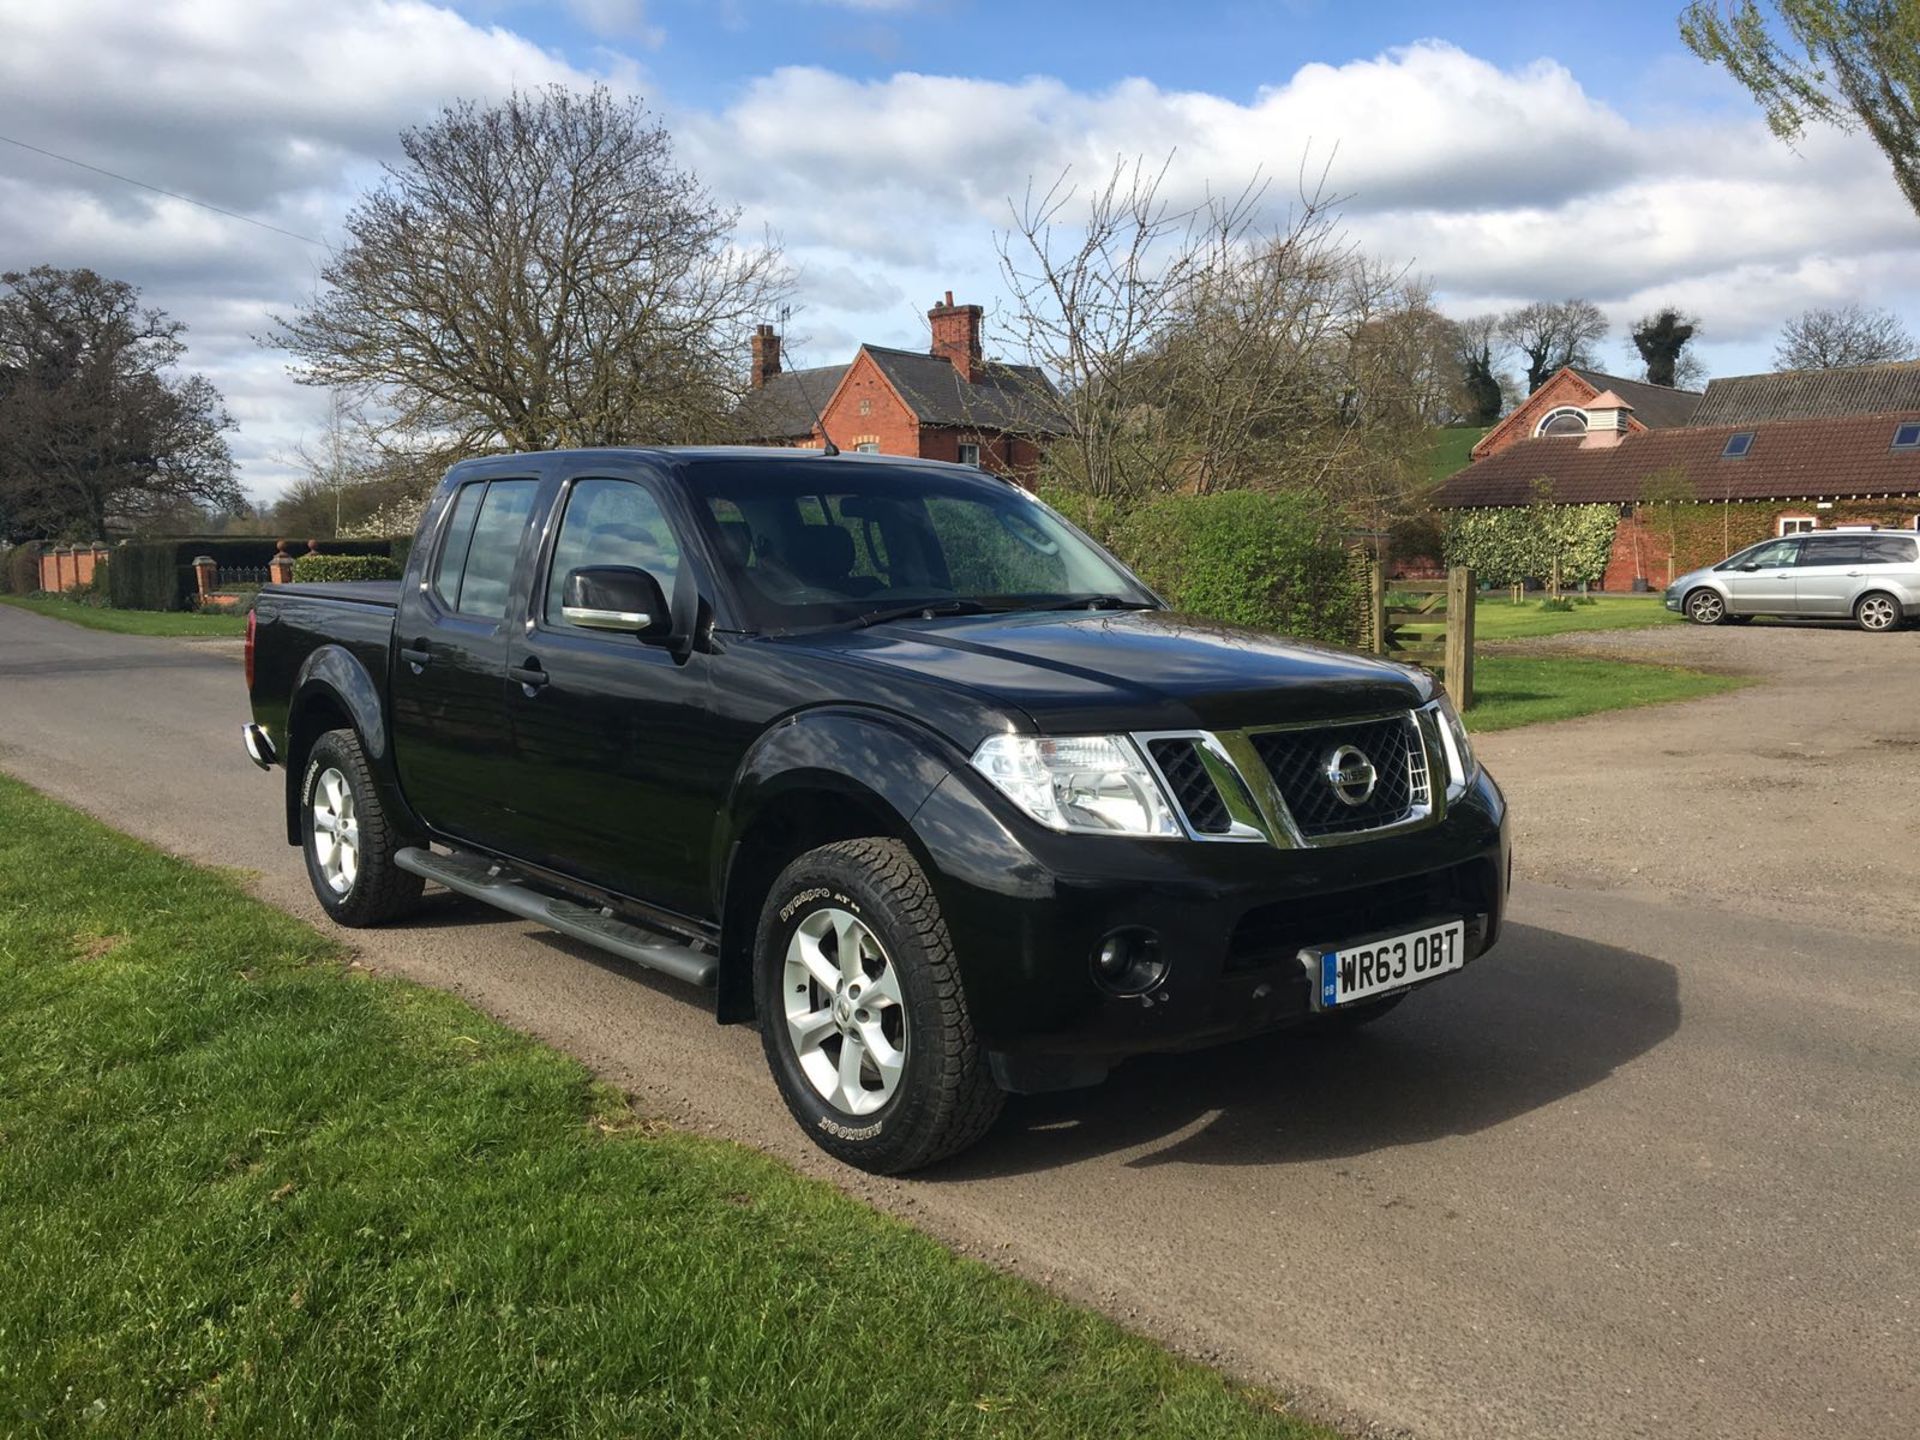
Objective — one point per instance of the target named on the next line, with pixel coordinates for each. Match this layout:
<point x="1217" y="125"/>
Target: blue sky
<point x="1503" y="153"/>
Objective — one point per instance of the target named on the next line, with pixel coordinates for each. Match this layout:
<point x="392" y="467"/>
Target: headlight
<point x="1089" y="784"/>
<point x="1461" y="766"/>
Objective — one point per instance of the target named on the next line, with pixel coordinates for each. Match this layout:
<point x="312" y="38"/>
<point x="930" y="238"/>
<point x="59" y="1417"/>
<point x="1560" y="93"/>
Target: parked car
<point x="887" y="755"/>
<point x="1872" y="576"/>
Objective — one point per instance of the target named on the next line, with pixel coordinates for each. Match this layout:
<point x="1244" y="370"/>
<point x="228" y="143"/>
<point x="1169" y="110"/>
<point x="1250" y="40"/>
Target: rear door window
<point x="473" y="573"/>
<point x="1829" y="550"/>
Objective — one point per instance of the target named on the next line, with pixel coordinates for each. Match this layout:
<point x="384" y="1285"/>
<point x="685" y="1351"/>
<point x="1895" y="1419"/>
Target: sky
<point x="1504" y="152"/>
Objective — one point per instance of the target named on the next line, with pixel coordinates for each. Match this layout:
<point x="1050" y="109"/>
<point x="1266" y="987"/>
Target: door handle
<point x="529" y="675"/>
<point x="416" y="655"/>
<point x="1855" y="574"/>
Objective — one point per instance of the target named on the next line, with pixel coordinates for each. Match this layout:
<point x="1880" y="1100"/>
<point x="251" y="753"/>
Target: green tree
<point x="1851" y="63"/>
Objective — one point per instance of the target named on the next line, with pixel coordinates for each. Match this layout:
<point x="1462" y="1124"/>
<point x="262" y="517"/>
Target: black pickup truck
<point x="889" y="757"/>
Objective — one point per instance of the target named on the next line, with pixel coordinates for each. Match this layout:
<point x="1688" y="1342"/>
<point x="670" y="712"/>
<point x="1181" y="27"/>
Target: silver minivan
<point x="1870" y="576"/>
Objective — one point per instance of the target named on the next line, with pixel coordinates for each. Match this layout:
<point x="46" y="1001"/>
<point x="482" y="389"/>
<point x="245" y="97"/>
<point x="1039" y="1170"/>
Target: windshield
<point x="810" y="544"/>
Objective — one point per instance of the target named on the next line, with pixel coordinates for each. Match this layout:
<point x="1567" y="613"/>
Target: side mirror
<point x="1749" y="566"/>
<point x="624" y="598"/>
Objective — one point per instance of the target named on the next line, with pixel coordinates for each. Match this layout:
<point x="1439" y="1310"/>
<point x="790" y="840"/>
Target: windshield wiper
<point x="926" y="610"/>
<point x="1092" y="602"/>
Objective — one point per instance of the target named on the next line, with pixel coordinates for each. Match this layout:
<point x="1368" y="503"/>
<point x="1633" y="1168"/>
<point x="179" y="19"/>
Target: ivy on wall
<point x="1704" y="534"/>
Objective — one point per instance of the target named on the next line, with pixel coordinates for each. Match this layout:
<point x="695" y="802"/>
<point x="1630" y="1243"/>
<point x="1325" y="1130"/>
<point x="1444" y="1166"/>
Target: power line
<point x="170" y="194"/>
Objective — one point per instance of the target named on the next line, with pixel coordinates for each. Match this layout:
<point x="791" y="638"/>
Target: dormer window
<point x="1906" y="435"/>
<point x="1737" y="446"/>
<point x="1568" y="420"/>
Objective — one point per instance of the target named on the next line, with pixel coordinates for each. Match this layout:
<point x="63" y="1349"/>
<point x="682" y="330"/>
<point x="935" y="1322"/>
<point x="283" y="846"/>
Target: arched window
<point x="1567" y="420"/>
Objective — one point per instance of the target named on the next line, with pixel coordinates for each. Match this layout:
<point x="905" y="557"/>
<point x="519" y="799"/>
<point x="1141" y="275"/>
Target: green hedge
<point x="23" y="568"/>
<point x="146" y="577"/>
<point x="1249" y="557"/>
<point x="320" y="569"/>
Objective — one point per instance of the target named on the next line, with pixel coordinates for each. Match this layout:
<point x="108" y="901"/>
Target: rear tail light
<point x="249" y="652"/>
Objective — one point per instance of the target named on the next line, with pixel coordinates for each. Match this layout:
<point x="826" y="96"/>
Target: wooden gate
<point x="1426" y="622"/>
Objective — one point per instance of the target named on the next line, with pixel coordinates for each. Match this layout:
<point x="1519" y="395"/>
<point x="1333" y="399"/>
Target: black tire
<point x="1349" y="1018"/>
<point x="1705" y="606"/>
<point x="943" y="1097"/>
<point x="1878" y="613"/>
<point x="377" y="890"/>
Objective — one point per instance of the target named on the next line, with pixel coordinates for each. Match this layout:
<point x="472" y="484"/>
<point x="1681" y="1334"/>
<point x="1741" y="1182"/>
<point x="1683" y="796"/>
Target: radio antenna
<point x="786" y="314"/>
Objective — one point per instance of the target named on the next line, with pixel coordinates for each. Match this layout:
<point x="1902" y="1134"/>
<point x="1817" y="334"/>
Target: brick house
<point x="949" y="403"/>
<point x="1558" y="408"/>
<point x="1757" y="455"/>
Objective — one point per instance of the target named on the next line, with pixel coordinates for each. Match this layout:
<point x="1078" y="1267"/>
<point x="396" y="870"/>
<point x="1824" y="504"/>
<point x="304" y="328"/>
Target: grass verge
<point x="246" y="1189"/>
<point x="129" y="622"/>
<point x="1497" y="618"/>
<point x="1514" y="690"/>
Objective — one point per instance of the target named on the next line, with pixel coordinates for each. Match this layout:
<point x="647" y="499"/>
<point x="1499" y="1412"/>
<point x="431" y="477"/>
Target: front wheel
<point x="862" y="1013"/>
<point x="1877" y="613"/>
<point x="349" y="839"/>
<point x="1706" y="607"/>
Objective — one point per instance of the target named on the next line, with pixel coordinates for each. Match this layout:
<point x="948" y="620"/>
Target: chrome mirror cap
<point x="631" y="622"/>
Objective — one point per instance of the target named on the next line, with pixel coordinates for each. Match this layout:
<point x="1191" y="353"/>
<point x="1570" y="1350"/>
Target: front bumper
<point x="1027" y="908"/>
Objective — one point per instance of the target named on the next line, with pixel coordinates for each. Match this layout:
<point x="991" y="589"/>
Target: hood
<point x="1133" y="669"/>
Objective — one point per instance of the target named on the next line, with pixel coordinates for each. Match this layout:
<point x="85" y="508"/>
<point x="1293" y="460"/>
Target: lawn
<point x="1496" y="617"/>
<point x="1452" y="449"/>
<point x="1518" y="689"/>
<point x="129" y="622"/>
<point x="246" y="1188"/>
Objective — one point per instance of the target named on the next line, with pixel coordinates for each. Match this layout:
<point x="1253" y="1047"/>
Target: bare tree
<point x="538" y="273"/>
<point x="1550" y="335"/>
<point x="97" y="431"/>
<point x="1833" y="337"/>
<point x="1662" y="339"/>
<point x="1851" y="63"/>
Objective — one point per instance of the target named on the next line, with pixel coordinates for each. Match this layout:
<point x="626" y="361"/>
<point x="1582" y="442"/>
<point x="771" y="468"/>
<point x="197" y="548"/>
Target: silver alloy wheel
<point x="845" y="1013"/>
<point x="1706" y="607"/>
<point x="1877" y="612"/>
<point x="336" y="831"/>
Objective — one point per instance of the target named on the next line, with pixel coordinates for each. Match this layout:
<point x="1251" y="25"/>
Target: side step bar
<point x="494" y="884"/>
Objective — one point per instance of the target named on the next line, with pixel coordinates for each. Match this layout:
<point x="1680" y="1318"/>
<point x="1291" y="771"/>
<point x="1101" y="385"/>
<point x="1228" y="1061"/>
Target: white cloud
<point x="618" y="20"/>
<point x="1501" y="184"/>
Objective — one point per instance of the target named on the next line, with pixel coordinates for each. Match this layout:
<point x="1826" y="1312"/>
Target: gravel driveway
<point x="1786" y="799"/>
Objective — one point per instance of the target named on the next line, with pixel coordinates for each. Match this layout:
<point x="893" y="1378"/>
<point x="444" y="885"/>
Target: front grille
<point x="1193" y="788"/>
<point x="1298" y="761"/>
<point x="1276" y="933"/>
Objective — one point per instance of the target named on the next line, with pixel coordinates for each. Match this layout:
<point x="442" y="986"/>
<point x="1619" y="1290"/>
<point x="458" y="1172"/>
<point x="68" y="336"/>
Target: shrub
<point x="1561" y="603"/>
<point x="23" y="568"/>
<point x="321" y="569"/>
<point x="1248" y="557"/>
<point x="1522" y="542"/>
<point x="146" y="576"/>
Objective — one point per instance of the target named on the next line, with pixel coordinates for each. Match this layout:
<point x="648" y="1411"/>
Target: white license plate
<point x="1374" y="967"/>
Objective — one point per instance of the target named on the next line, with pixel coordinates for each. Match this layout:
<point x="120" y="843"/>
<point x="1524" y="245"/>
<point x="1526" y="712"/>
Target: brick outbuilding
<point x="947" y="403"/>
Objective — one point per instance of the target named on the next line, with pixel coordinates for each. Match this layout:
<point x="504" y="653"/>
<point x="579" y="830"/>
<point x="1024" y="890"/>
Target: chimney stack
<point x="956" y="335"/>
<point x="766" y="354"/>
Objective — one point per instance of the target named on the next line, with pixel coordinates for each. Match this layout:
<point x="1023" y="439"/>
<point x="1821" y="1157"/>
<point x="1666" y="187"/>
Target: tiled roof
<point x="1013" y="399"/>
<point x="1794" y="394"/>
<point x="779" y="410"/>
<point x="1789" y="459"/>
<point x="1654" y="406"/>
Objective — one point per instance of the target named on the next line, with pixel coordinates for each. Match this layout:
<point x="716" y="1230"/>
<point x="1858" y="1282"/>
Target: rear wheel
<point x="862" y="1013"/>
<point x="1877" y="612"/>
<point x="349" y="839"/>
<point x="1706" y="607"/>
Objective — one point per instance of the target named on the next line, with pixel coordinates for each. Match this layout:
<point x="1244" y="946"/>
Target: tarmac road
<point x="1651" y="1168"/>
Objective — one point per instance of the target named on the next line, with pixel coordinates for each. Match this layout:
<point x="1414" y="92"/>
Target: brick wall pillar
<point x="206" y="575"/>
<point x="280" y="568"/>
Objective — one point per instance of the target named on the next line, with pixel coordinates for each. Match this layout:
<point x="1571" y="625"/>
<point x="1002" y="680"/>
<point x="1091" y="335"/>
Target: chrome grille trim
<point x="1258" y="809"/>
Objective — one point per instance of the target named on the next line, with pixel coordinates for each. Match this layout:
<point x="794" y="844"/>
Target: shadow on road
<point x="1542" y="1018"/>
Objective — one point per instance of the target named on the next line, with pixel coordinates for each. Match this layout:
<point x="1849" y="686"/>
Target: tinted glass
<point x="453" y="550"/>
<point x="1830" y="550"/>
<point x="813" y="543"/>
<point x="1890" y="550"/>
<point x="496" y="545"/>
<point x="611" y="522"/>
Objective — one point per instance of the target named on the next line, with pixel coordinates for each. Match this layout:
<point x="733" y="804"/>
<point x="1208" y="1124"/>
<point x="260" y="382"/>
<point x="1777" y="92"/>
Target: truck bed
<point x="292" y="621"/>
